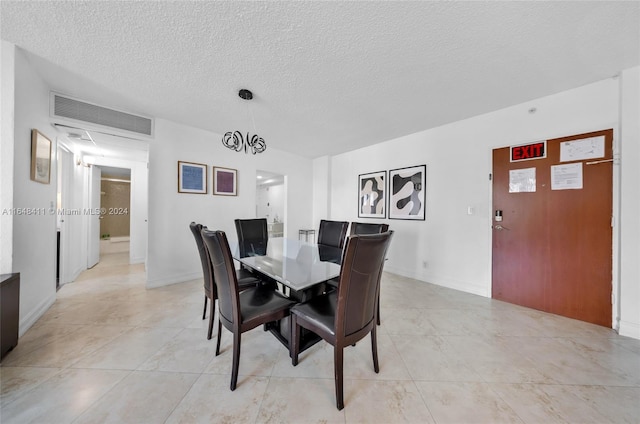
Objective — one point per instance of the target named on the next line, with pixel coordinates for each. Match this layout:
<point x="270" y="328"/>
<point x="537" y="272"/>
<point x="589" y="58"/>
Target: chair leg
<point x="211" y="316"/>
<point x="294" y="347"/>
<point x="378" y="313"/>
<point x="219" y="334"/>
<point x="374" y="349"/>
<point x="236" y="359"/>
<point x="204" y="311"/>
<point x="338" y="361"/>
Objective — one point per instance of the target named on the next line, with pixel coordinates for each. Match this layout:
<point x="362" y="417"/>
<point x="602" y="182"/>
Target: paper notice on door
<point x="522" y="180"/>
<point x="586" y="148"/>
<point x="566" y="177"/>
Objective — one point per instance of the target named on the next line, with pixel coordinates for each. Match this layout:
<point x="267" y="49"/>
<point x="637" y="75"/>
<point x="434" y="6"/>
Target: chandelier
<point x="235" y="140"/>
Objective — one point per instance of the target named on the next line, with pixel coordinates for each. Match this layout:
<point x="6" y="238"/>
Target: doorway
<point x="552" y="235"/>
<point x="271" y="196"/>
<point x="115" y="206"/>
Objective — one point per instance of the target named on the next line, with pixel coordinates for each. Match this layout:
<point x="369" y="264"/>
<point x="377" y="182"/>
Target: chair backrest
<point x="332" y="233"/>
<point x="253" y="236"/>
<point x="362" y="264"/>
<point x="224" y="275"/>
<point x="364" y="228"/>
<point x="209" y="285"/>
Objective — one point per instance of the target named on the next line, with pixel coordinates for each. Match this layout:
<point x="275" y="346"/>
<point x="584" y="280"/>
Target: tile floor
<point x="109" y="350"/>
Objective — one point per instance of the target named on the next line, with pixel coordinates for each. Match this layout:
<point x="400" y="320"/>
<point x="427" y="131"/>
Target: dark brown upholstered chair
<point x="364" y="228"/>
<point x="332" y="233"/>
<point x="244" y="281"/>
<point x="252" y="236"/>
<point x="344" y="316"/>
<point x="240" y="311"/>
<point x="359" y="228"/>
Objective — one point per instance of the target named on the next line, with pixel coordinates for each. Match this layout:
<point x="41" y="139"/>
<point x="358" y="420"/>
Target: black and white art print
<point x="407" y="188"/>
<point x="371" y="195"/>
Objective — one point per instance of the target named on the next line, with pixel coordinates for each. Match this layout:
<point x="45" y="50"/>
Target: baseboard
<point x="629" y="329"/>
<point x="136" y="260"/>
<point x="166" y="281"/>
<point x="33" y="316"/>
<point x="440" y="281"/>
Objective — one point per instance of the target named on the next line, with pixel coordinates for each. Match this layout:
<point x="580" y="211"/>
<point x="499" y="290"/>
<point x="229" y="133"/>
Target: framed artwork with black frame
<point x="407" y="190"/>
<point x="372" y="197"/>
<point x="225" y="181"/>
<point x="192" y="177"/>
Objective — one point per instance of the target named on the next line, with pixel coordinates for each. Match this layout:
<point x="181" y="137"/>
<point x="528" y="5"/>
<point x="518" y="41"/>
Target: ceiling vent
<point x="69" y="108"/>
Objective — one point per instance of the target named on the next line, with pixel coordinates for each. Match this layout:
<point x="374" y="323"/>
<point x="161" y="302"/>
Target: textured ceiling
<point x="328" y="77"/>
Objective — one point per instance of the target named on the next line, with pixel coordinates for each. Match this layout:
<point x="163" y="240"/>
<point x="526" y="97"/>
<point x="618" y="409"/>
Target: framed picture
<point x="407" y="188"/>
<point x="225" y="181"/>
<point x="371" y="195"/>
<point x="192" y="178"/>
<point x="40" y="157"/>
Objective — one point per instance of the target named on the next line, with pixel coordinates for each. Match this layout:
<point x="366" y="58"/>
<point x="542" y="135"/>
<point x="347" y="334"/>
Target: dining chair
<point x="253" y="236"/>
<point x="366" y="228"/>
<point x="210" y="292"/>
<point x="346" y="315"/>
<point x="332" y="233"/>
<point x="240" y="311"/>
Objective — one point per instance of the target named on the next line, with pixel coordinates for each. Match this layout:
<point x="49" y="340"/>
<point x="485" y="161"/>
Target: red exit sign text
<point x="529" y="151"/>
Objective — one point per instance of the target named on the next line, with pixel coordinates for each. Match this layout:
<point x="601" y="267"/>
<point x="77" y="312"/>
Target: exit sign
<point x="529" y="151"/>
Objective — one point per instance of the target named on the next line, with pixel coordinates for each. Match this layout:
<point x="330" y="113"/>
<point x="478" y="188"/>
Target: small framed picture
<point x="192" y="178"/>
<point x="225" y="181"/>
<point x="40" y="157"/>
<point x="407" y="187"/>
<point x="372" y="195"/>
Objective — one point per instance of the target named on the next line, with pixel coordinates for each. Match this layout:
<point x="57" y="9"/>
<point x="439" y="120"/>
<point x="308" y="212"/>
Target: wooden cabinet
<point x="9" y="312"/>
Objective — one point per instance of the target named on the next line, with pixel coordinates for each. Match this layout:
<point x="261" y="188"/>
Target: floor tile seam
<point x="186" y="393"/>
<point x="404" y="363"/>
<point x="22" y="354"/>
<point x="587" y="402"/>
<point x="424" y="400"/>
<point x="87" y="354"/>
<point x="505" y="401"/>
<point x="60" y="370"/>
<point x="97" y="400"/>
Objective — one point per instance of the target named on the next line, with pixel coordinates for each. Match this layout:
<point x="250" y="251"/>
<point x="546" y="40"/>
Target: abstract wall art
<point x="225" y="181"/>
<point x="192" y="177"/>
<point x="407" y="188"/>
<point x="372" y="195"/>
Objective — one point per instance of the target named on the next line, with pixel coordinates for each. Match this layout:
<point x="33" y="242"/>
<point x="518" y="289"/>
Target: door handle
<point x="499" y="227"/>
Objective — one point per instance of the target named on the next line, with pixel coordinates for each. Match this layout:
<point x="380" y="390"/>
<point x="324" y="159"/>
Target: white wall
<point x="172" y="255"/>
<point x="34" y="237"/>
<point x="270" y="201"/>
<point x="321" y="184"/>
<point x="457" y="246"/>
<point x="630" y="204"/>
<point x="7" y="108"/>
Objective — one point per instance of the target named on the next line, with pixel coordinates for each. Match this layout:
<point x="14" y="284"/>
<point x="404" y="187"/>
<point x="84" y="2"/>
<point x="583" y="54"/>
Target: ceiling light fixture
<point x="234" y="140"/>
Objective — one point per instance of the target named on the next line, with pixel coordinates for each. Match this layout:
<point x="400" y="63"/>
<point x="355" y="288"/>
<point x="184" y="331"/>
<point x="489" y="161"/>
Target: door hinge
<point x="613" y="298"/>
<point x="490" y="177"/>
<point x="613" y="221"/>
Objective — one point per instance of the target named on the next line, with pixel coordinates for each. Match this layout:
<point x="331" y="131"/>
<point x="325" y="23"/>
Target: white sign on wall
<point x="586" y="148"/>
<point x="566" y="177"/>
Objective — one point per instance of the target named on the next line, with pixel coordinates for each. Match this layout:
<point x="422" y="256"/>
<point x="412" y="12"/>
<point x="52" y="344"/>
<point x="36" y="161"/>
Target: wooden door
<point x="552" y="250"/>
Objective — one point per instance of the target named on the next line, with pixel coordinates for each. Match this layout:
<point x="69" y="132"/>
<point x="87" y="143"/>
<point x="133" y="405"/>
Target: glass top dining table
<point x="297" y="264"/>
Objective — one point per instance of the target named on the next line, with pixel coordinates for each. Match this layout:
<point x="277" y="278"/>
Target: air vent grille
<point x="87" y="112"/>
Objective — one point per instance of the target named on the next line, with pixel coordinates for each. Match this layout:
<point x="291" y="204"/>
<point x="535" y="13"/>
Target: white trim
<point x="27" y="322"/>
<point x="463" y="286"/>
<point x="174" y="279"/>
<point x="629" y="329"/>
